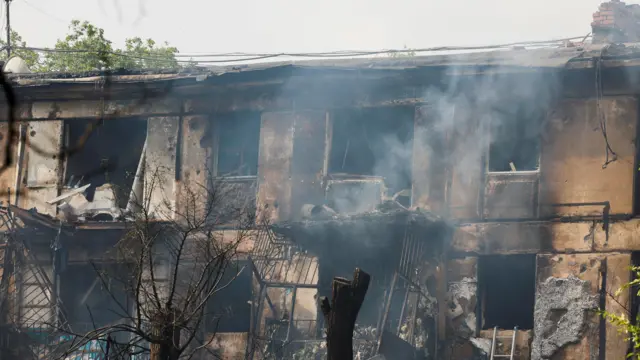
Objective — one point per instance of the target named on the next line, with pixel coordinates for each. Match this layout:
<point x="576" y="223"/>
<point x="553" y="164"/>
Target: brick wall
<point x="616" y="22"/>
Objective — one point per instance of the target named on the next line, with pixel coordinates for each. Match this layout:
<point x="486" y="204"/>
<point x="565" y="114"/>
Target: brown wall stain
<point x="467" y="169"/>
<point x="160" y="165"/>
<point x="194" y="164"/>
<point x="617" y="274"/>
<point x="274" y="166"/>
<point x="533" y="237"/>
<point x="231" y="346"/>
<point x="573" y="154"/>
<point x="511" y="195"/>
<point x="307" y="163"/>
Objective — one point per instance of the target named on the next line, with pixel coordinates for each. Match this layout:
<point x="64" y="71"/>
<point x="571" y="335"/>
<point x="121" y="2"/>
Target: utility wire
<point x="43" y="12"/>
<point x="240" y="56"/>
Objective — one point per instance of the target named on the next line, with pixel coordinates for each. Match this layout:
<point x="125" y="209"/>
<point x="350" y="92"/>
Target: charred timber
<point x="340" y="314"/>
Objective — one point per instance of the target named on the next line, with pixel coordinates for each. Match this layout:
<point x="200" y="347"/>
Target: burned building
<point x="483" y="191"/>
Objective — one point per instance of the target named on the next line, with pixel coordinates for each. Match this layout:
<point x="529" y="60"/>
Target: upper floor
<point x="507" y="136"/>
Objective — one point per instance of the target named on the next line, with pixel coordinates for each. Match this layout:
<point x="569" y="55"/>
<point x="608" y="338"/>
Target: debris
<point x="71" y="193"/>
<point x="561" y="315"/>
<point x="484" y="345"/>
<point x="78" y="207"/>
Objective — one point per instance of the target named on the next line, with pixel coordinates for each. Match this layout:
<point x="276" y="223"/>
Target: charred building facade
<point x="482" y="191"/>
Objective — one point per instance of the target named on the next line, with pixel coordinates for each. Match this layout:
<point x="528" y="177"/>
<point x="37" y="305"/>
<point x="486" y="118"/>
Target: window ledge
<point x="514" y="173"/>
<point x="236" y="178"/>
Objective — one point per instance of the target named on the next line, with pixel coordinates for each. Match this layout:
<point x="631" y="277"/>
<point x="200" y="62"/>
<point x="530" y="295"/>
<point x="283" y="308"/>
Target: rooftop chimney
<point x="616" y="22"/>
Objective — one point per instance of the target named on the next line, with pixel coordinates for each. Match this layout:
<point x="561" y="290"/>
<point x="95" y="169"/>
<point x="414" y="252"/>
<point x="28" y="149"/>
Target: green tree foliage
<point x="29" y="56"/>
<point x="623" y="321"/>
<point x="145" y="54"/>
<point x="83" y="36"/>
<point x="400" y="54"/>
<point x="85" y="48"/>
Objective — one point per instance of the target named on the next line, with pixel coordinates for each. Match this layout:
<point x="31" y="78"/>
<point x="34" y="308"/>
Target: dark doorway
<point x="507" y="290"/>
<point x="229" y="309"/>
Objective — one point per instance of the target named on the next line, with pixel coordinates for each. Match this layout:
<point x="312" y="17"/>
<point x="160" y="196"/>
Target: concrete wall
<point x="573" y="154"/>
<point x="292" y="163"/>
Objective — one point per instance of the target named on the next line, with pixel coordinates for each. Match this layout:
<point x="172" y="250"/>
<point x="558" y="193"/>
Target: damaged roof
<point x="550" y="57"/>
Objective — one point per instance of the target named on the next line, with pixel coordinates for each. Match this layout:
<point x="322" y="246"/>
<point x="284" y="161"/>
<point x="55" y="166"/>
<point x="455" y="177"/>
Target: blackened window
<point x="515" y="144"/>
<point x="238" y="138"/>
<point x="110" y="154"/>
<point x="375" y="141"/>
<point x="229" y="308"/>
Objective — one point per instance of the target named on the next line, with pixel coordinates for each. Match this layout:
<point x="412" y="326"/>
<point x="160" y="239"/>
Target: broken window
<point x="507" y="290"/>
<point x="110" y="155"/>
<point x="229" y="309"/>
<point x="370" y="143"/>
<point x="238" y="142"/>
<point x="514" y="143"/>
<point x="91" y="301"/>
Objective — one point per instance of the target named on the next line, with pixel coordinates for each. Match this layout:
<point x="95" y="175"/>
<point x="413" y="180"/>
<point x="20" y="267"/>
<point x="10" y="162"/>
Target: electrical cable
<point x="240" y="56"/>
<point x="599" y="113"/>
<point x="43" y="12"/>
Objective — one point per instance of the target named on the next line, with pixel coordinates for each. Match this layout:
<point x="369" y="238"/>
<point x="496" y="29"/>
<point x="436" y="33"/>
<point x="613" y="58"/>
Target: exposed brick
<point x="616" y="15"/>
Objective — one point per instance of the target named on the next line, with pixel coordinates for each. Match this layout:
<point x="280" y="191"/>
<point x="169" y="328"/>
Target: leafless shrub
<point x="171" y="262"/>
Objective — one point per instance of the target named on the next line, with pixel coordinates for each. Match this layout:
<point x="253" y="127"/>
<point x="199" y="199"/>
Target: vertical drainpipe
<point x="20" y="159"/>
<point x="137" y="189"/>
<point x="602" y="346"/>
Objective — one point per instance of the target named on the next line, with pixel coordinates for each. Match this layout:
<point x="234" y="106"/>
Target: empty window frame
<point x="507" y="290"/>
<point x="373" y="142"/>
<point x="93" y="297"/>
<point x="515" y="142"/>
<point x="111" y="154"/>
<point x="229" y="309"/>
<point x="237" y="139"/>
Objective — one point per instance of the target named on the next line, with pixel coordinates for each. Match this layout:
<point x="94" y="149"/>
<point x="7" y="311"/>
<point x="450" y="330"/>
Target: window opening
<point x="111" y="154"/>
<point x="229" y="309"/>
<point x="88" y="303"/>
<point x="238" y="136"/>
<point x="371" y="144"/>
<point x="515" y="144"/>
<point x="507" y="290"/>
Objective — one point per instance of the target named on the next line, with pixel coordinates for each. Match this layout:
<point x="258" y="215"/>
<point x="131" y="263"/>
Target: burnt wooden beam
<point x="341" y="313"/>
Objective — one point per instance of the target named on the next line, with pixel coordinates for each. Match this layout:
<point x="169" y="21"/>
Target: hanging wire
<point x="242" y="56"/>
<point x="600" y="114"/>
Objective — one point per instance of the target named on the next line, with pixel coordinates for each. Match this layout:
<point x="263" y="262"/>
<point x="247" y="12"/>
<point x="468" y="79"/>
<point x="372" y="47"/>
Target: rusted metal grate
<point x="277" y="260"/>
<point x="412" y="255"/>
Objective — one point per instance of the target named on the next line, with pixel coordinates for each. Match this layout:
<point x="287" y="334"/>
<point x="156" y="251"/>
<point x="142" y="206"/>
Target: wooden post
<point x="340" y="315"/>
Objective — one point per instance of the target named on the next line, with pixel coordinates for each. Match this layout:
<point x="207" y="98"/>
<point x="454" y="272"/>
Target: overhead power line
<point x="241" y="56"/>
<point x="45" y="13"/>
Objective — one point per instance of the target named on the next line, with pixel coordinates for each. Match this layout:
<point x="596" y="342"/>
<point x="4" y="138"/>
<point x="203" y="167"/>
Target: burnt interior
<point x="515" y="139"/>
<point x="377" y="243"/>
<point x="91" y="301"/>
<point x="507" y="289"/>
<point x="374" y="142"/>
<point x="229" y="309"/>
<point x="238" y="143"/>
<point x="111" y="154"/>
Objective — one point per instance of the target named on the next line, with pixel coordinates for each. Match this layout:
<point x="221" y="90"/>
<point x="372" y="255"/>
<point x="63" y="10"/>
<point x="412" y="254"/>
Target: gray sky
<point x="201" y="26"/>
